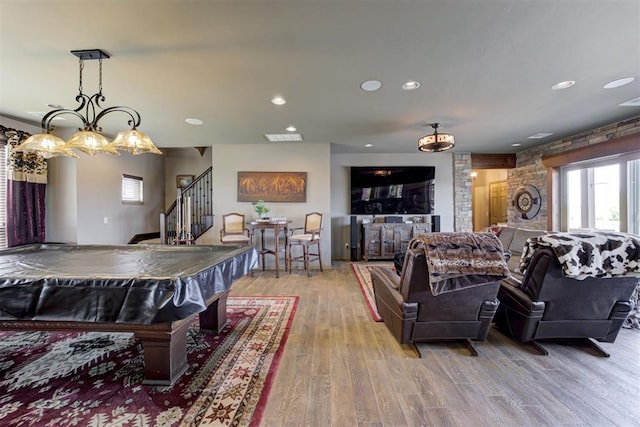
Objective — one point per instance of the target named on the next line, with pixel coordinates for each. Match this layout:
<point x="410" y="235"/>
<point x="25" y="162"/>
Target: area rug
<point x="361" y="271"/>
<point x="95" y="379"/>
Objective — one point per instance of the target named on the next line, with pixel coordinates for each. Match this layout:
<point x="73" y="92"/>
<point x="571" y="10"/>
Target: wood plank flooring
<point x="340" y="368"/>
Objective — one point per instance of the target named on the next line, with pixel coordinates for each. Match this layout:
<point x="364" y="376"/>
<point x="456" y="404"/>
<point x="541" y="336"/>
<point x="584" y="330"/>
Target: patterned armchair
<point x="447" y="289"/>
<point x="575" y="288"/>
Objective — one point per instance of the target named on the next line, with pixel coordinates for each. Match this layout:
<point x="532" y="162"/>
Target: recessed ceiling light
<point x="563" y="85"/>
<point x="291" y="129"/>
<point x="410" y="85"/>
<point x="371" y="85"/>
<point x="368" y="145"/>
<point x="283" y="137"/>
<point x="278" y="100"/>
<point x="635" y="102"/>
<point x="618" y="83"/>
<point x="517" y="144"/>
<point x="194" y="122"/>
<point x="540" y="135"/>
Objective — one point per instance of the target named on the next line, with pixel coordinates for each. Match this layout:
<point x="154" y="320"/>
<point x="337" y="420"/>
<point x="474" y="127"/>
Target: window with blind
<point x="3" y="195"/>
<point x="132" y="187"/>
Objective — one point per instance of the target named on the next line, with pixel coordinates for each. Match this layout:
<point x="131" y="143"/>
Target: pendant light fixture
<point x="436" y="142"/>
<point x="89" y="138"/>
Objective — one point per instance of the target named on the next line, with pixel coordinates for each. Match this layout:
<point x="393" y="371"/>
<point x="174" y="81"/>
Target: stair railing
<point x="200" y="195"/>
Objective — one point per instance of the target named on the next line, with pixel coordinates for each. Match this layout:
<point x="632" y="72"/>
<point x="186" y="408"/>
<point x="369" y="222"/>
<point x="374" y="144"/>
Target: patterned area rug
<point x="95" y="379"/>
<point x="361" y="270"/>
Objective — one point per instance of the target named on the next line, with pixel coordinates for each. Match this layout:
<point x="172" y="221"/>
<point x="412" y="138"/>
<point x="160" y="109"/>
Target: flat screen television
<point x="392" y="190"/>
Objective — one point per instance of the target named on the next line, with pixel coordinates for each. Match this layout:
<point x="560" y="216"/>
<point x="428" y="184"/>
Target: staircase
<point x="200" y="193"/>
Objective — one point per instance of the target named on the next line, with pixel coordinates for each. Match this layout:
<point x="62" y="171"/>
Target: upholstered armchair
<point x="447" y="289"/>
<point x="584" y="297"/>
<point x="234" y="231"/>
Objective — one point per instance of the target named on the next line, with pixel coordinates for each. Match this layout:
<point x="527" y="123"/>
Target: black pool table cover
<point x="137" y="284"/>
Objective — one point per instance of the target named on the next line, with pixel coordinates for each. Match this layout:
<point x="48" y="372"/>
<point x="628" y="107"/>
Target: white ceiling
<point x="486" y="68"/>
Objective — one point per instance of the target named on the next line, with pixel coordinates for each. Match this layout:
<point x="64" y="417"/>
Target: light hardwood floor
<point x="340" y="368"/>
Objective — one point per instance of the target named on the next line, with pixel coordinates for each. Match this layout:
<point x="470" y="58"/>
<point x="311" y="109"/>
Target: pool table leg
<point x="165" y="345"/>
<point x="214" y="318"/>
<point x="165" y="353"/>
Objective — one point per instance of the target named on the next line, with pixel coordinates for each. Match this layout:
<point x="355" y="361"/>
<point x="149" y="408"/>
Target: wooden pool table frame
<point x="164" y="344"/>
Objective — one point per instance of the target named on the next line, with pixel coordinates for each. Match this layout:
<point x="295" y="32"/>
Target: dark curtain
<point x="25" y="212"/>
<point x="26" y="192"/>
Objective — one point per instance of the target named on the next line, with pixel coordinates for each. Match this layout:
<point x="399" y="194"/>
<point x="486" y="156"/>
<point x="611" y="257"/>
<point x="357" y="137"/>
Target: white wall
<point x="14" y="124"/>
<point x="313" y="158"/>
<point x="62" y="195"/>
<point x="99" y="184"/>
<point x="83" y="192"/>
<point x="61" y="210"/>
<point x="182" y="161"/>
<point x="95" y="186"/>
<point x="340" y="193"/>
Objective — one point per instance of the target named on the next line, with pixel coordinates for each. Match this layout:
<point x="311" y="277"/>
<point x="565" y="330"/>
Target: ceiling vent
<point x="540" y="135"/>
<point x="635" y="102"/>
<point x="283" y="137"/>
<point x="41" y="114"/>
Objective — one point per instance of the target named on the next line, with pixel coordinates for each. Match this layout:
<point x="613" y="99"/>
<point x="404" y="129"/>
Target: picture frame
<point x="272" y="187"/>
<point x="183" y="181"/>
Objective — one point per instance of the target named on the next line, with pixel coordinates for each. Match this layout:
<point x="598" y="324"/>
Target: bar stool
<point x="310" y="237"/>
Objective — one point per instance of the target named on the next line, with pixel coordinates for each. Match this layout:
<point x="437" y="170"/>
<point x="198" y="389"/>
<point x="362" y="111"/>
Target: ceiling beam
<point x="493" y="161"/>
<point x="614" y="147"/>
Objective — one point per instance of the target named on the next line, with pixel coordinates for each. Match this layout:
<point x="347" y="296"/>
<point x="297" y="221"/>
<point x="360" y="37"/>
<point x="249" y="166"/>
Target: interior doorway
<point x="489" y="197"/>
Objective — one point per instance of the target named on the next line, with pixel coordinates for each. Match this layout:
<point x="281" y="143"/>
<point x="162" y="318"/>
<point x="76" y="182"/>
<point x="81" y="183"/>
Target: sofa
<point x="513" y="240"/>
<point x="415" y="310"/>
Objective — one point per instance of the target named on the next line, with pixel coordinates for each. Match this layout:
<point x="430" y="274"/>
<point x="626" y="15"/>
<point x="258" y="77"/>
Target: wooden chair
<point x="310" y="237"/>
<point x="233" y="230"/>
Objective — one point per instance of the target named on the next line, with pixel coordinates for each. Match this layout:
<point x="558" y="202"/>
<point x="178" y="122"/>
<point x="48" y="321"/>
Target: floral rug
<point x="95" y="379"/>
<point x="361" y="271"/>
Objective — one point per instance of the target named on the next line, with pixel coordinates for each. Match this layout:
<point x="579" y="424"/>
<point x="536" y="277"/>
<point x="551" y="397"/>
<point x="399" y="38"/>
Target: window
<point x="132" y="187"/>
<point x="633" y="201"/>
<point x="603" y="195"/>
<point x="3" y="196"/>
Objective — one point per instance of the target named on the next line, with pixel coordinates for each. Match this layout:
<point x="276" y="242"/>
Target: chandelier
<point x="89" y="138"/>
<point x="436" y="142"/>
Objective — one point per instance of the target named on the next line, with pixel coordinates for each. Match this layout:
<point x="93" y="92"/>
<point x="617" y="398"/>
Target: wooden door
<point x="497" y="202"/>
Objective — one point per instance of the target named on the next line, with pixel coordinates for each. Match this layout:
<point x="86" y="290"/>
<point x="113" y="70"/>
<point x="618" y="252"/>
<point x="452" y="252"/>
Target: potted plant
<point x="260" y="209"/>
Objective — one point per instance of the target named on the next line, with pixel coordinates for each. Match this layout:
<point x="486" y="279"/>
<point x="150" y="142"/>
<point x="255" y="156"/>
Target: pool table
<point x="154" y="291"/>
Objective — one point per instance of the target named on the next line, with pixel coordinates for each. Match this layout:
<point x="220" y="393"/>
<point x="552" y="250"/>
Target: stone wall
<point x="463" y="191"/>
<point x="529" y="170"/>
<point x="596" y="136"/>
<point x="533" y="174"/>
